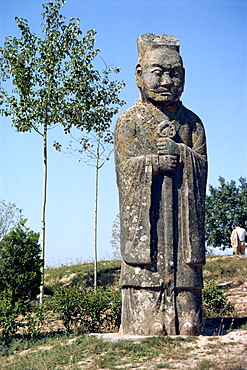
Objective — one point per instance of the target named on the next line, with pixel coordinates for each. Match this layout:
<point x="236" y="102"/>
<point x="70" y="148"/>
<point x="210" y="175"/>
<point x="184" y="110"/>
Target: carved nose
<point x="166" y="80"/>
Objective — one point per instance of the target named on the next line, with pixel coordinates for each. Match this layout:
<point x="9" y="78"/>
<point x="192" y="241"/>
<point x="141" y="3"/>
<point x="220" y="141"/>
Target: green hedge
<point x="90" y="310"/>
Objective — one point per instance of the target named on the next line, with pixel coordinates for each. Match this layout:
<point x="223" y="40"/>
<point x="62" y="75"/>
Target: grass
<point x="82" y="274"/>
<point x="163" y="366"/>
<point x="205" y="365"/>
<point x="244" y="326"/>
<point x="226" y="268"/>
<point x="90" y="352"/>
<point x="221" y="268"/>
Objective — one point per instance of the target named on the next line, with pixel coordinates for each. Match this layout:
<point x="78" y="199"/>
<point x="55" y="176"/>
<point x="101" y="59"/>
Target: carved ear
<point x="138" y="69"/>
<point x="138" y="74"/>
<point x="184" y="74"/>
<point x="183" y="78"/>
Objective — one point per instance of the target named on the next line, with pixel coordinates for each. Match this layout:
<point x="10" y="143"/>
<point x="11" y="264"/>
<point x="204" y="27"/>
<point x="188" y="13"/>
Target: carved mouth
<point x="165" y="93"/>
<point x="162" y="92"/>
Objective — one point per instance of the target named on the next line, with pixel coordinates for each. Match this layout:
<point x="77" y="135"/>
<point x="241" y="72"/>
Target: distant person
<point x="238" y="239"/>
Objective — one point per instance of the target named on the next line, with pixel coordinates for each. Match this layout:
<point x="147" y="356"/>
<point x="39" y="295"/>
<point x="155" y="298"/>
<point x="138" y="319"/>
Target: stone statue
<point x="161" y="168"/>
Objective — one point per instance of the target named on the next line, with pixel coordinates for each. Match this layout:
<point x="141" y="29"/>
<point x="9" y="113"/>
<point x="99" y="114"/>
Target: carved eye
<point x="157" y="72"/>
<point x="176" y="73"/>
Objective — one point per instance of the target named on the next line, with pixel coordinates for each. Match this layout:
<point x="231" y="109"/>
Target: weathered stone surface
<point x="161" y="168"/>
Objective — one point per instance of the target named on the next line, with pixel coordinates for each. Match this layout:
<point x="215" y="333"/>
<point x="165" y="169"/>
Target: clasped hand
<point x="168" y="152"/>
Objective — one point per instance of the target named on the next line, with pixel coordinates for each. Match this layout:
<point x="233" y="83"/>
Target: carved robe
<point x="142" y="198"/>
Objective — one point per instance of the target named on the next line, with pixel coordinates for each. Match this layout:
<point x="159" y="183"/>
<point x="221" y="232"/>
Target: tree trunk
<point x="43" y="213"/>
<point x="96" y="214"/>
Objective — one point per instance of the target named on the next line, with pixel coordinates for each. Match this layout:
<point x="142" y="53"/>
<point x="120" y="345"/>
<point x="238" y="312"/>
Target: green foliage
<point x="114" y="318"/>
<point x="67" y="302"/>
<point x="215" y="302"/>
<point x="88" y="310"/>
<point x="54" y="78"/>
<point x="15" y="316"/>
<point x="20" y="277"/>
<point x="34" y="319"/>
<point x="224" y="205"/>
<point x="9" y="312"/>
<point x="20" y="264"/>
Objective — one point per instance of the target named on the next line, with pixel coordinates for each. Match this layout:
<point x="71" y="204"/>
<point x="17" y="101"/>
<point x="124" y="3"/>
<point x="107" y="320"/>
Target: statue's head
<point x="159" y="73"/>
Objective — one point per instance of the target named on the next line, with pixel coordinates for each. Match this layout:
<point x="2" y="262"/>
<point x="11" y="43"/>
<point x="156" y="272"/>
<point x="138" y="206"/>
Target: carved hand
<point x="167" y="163"/>
<point x="168" y="152"/>
<point x="167" y="146"/>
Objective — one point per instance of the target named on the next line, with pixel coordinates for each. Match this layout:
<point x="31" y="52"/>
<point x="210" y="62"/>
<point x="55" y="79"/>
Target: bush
<point x="20" y="264"/>
<point x="9" y="313"/>
<point x="20" y="278"/>
<point x="215" y="302"/>
<point x="90" y="310"/>
<point x="115" y="307"/>
<point x="67" y="303"/>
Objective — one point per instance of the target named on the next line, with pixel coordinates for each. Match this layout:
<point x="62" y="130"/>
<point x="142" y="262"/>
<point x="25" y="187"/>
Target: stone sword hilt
<point x="167" y="129"/>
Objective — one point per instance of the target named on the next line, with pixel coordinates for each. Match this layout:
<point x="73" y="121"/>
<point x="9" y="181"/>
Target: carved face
<point x="160" y="77"/>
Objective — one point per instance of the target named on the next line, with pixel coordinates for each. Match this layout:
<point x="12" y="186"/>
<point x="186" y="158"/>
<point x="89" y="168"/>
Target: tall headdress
<point x="150" y="42"/>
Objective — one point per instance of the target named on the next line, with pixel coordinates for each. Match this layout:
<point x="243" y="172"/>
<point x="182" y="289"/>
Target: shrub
<point x="34" y="320"/>
<point x="90" y="310"/>
<point x="95" y="308"/>
<point x="20" y="278"/>
<point x="67" y="303"/>
<point x="215" y="302"/>
<point x="20" y="264"/>
<point x="115" y="307"/>
<point x="9" y="313"/>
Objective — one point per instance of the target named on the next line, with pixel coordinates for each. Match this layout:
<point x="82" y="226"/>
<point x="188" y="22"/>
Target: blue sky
<point x="213" y="38"/>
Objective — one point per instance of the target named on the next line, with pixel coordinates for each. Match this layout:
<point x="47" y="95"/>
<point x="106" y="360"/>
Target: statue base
<point x="150" y="311"/>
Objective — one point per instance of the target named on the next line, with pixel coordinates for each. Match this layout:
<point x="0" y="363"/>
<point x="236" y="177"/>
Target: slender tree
<point x="94" y="150"/>
<point x="55" y="82"/>
<point x="224" y="205"/>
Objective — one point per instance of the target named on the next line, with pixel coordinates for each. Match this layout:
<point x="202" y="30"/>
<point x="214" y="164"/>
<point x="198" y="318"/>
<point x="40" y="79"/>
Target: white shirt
<point x="241" y="233"/>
